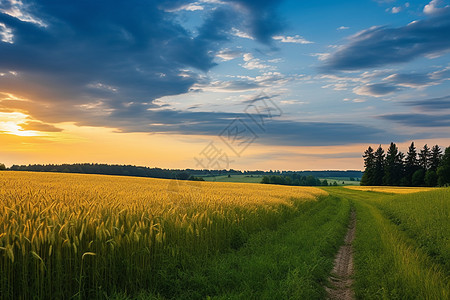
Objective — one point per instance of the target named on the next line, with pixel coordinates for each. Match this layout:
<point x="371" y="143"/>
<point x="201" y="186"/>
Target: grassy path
<point x="392" y="261"/>
<point x="341" y="276"/>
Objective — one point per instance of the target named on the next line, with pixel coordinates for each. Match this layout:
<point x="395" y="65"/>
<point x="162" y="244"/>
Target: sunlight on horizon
<point x="10" y="124"/>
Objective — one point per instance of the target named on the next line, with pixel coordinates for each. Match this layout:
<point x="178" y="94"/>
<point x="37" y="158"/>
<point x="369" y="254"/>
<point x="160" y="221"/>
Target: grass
<point x="291" y="262"/>
<point x="391" y="189"/>
<point x="235" y="178"/>
<point x="394" y="259"/>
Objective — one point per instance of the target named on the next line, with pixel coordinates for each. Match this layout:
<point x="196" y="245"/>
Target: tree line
<point x="105" y="169"/>
<point x="294" y="179"/>
<point x="427" y="167"/>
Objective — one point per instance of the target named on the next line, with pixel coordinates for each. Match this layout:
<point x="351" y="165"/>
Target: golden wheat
<point x="63" y="234"/>
<point x="391" y="189"/>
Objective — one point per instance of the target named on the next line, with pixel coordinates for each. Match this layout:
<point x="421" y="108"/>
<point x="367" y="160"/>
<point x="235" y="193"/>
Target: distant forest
<point x="428" y="167"/>
<point x="273" y="176"/>
<point x="294" y="179"/>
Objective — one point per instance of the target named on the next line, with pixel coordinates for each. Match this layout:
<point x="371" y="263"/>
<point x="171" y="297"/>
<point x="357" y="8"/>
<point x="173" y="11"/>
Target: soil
<point x="340" y="281"/>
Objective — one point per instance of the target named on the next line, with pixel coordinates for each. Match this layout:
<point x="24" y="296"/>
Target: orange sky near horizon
<point x="83" y="144"/>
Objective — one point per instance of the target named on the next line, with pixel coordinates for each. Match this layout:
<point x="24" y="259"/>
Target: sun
<point x="10" y="124"/>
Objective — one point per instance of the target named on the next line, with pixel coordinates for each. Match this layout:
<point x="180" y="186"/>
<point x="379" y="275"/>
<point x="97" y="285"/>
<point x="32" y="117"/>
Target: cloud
<point x="396" y="9"/>
<point x="97" y="62"/>
<point x="252" y="63"/>
<point x="244" y="83"/>
<point x="343" y="28"/>
<point x="380" y="46"/>
<point x="419" y="120"/>
<point x="227" y="54"/>
<point x="291" y="39"/>
<point x="39" y="126"/>
<point x="412" y="80"/>
<point x="376" y="89"/>
<point x="433" y="104"/>
<point x="6" y="35"/>
<point x="432" y="7"/>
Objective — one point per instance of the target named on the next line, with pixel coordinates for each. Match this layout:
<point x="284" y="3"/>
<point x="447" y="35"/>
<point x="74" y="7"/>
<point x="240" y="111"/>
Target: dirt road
<point x="341" y="275"/>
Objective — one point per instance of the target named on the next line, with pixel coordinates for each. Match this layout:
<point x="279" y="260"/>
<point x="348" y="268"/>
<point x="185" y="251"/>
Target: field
<point x="80" y="235"/>
<point x="402" y="245"/>
<point x="235" y="178"/>
<point x="109" y="237"/>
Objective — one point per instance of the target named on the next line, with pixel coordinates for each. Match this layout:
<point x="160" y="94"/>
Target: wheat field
<point x="74" y="235"/>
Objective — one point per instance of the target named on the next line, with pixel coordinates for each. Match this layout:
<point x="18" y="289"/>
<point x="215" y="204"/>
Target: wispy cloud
<point x="291" y="39"/>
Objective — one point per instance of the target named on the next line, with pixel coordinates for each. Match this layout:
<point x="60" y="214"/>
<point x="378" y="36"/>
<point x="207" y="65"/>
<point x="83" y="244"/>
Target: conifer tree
<point x="379" y="166"/>
<point x="443" y="170"/>
<point x="393" y="170"/>
<point x="424" y="157"/>
<point x="411" y="163"/>
<point x="369" y="164"/>
<point x="435" y="157"/>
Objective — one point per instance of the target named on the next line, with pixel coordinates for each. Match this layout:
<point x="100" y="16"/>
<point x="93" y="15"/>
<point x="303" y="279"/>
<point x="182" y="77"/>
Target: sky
<point x="220" y="84"/>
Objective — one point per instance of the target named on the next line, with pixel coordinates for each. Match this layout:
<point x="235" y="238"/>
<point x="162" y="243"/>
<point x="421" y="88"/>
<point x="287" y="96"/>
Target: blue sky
<point x="342" y="74"/>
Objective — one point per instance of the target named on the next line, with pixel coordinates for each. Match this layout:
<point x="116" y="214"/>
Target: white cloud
<point x="321" y="56"/>
<point x="396" y="9"/>
<point x="252" y="63"/>
<point x="291" y="39"/>
<point x="16" y="9"/>
<point x="227" y="54"/>
<point x="432" y="7"/>
<point x="6" y="34"/>
<point x="241" y="34"/>
<point x="343" y="28"/>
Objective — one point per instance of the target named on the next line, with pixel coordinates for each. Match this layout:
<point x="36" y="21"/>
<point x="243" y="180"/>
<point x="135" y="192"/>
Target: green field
<point x="257" y="179"/>
<point x="108" y="237"/>
<point x="234" y="178"/>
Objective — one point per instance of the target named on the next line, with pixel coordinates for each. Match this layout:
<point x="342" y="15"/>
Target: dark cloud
<point x="413" y="80"/>
<point x="376" y="89"/>
<point x="436" y="104"/>
<point x="136" y="117"/>
<point x="382" y="46"/>
<point x="113" y="52"/>
<point x="419" y="120"/>
<point x="39" y="126"/>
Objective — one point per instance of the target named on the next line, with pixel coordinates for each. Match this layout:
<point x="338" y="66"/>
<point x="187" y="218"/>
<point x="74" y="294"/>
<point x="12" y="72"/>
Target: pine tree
<point x="443" y="170"/>
<point x="379" y="166"/>
<point x="424" y="157"/>
<point x="411" y="163"/>
<point x="393" y="170"/>
<point x="435" y="158"/>
<point x="369" y="164"/>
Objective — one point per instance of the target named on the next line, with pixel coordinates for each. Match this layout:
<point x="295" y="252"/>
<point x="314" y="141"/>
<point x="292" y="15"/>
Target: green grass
<point x="291" y="262"/>
<point x="235" y="178"/>
<point x="340" y="180"/>
<point x="396" y="236"/>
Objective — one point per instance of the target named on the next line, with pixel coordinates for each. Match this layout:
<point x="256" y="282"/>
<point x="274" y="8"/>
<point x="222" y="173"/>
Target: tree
<point x="2" y="167"/>
<point x="435" y="157"/>
<point x="443" y="170"/>
<point x="418" y="177"/>
<point x="379" y="166"/>
<point x="431" y="178"/>
<point x="368" y="177"/>
<point x="411" y="164"/>
<point x="393" y="170"/>
<point x="424" y="157"/>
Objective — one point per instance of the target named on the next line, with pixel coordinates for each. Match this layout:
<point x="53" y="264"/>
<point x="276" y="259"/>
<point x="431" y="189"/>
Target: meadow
<point x="402" y="244"/>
